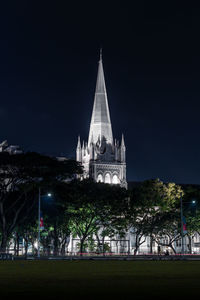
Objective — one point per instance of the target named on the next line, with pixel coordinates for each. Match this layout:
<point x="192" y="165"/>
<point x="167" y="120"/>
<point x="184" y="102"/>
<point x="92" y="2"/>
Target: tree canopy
<point x="20" y="176"/>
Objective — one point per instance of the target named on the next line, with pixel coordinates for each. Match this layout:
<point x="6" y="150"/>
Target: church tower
<point x="103" y="158"/>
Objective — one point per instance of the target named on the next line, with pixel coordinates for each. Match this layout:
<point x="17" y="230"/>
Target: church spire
<point x="100" y="54"/>
<point x="100" y="123"/>
<point x="123" y="150"/>
<point x="122" y="141"/>
<point x="78" y="150"/>
<point x="79" y="143"/>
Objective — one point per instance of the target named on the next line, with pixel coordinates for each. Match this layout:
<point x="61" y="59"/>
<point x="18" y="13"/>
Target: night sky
<point x="49" y="56"/>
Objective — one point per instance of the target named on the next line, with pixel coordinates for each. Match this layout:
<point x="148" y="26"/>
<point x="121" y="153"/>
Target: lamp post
<point x="182" y="246"/>
<point x="39" y="217"/>
<point x="39" y="196"/>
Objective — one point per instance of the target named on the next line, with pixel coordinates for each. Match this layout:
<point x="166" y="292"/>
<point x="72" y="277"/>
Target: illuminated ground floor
<point x="128" y="244"/>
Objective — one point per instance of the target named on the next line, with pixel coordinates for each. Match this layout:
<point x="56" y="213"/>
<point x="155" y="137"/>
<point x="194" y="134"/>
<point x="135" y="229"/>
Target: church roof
<point x="100" y="125"/>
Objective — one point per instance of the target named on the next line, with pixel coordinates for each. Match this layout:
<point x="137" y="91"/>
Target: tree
<point x="191" y="211"/>
<point x="93" y="209"/>
<point x="148" y="202"/>
<point x="20" y="175"/>
<point x="28" y="231"/>
<point x="166" y="230"/>
<point x="55" y="220"/>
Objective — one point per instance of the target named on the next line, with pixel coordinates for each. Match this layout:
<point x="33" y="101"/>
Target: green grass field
<point x="100" y="279"/>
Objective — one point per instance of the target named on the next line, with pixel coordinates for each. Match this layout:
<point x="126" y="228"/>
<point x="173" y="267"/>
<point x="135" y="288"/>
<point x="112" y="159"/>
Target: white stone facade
<point x="103" y="159"/>
<point x="127" y="245"/>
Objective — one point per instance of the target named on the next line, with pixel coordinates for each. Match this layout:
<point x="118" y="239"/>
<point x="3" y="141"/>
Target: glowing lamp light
<point x="49" y="195"/>
<point x="36" y="245"/>
<point x="193" y="202"/>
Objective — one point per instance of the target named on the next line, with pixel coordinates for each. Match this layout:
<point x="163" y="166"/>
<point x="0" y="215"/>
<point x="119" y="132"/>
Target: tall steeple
<point x="78" y="150"/>
<point x="123" y="150"/>
<point x="101" y="158"/>
<point x="100" y="125"/>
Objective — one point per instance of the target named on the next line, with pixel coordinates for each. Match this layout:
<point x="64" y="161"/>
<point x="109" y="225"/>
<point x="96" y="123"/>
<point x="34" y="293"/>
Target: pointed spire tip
<point x="79" y="142"/>
<point x="122" y="142"/>
<point x="101" y="54"/>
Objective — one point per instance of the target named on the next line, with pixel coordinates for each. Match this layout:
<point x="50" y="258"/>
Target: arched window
<point x="99" y="178"/>
<point x="115" y="179"/>
<point x="107" y="178"/>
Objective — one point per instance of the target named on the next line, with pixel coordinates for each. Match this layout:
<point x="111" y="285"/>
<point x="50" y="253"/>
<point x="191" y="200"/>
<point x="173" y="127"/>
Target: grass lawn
<point x="100" y="279"/>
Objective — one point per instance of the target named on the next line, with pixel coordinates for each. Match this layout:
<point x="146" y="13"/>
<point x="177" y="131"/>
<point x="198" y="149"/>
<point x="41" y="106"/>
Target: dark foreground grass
<point x="100" y="279"/>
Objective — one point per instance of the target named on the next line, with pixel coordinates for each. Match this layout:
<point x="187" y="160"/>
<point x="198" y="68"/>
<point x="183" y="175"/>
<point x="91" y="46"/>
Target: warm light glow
<point x="107" y="178"/>
<point x="36" y="245"/>
<point x="115" y="179"/>
<point x="100" y="178"/>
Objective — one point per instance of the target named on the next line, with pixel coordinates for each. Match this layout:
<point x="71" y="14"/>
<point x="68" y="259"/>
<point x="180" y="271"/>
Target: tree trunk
<point x="103" y="248"/>
<point x="4" y="240"/>
<point x="98" y="243"/>
<point x="135" y="250"/>
<point x="26" y="247"/>
<point x="17" y="250"/>
<point x="48" y="250"/>
<point x="63" y="249"/>
<point x="190" y="244"/>
<point x="151" y="244"/>
<point x="81" y="246"/>
<point x="136" y="245"/>
<point x="56" y="241"/>
<point x="55" y="251"/>
<point x="15" y="244"/>
<point x="173" y="249"/>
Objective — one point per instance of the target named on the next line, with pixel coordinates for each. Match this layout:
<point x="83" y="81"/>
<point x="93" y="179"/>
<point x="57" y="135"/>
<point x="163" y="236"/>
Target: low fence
<point x="106" y="256"/>
<point x="6" y="256"/>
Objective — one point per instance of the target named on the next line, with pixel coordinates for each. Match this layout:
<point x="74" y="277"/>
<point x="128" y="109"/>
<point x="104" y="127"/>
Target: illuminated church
<point x="103" y="158"/>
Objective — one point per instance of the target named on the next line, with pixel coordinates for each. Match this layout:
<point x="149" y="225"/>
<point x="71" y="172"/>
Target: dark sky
<point x="48" y="65"/>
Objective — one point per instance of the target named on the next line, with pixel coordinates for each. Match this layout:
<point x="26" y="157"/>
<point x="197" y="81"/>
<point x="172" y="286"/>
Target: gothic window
<point x="115" y="179"/>
<point x="99" y="178"/>
<point x="107" y="178"/>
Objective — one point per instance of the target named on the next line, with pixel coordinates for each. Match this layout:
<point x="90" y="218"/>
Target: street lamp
<point x="39" y="216"/>
<point x="182" y="218"/>
<point x="182" y="246"/>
